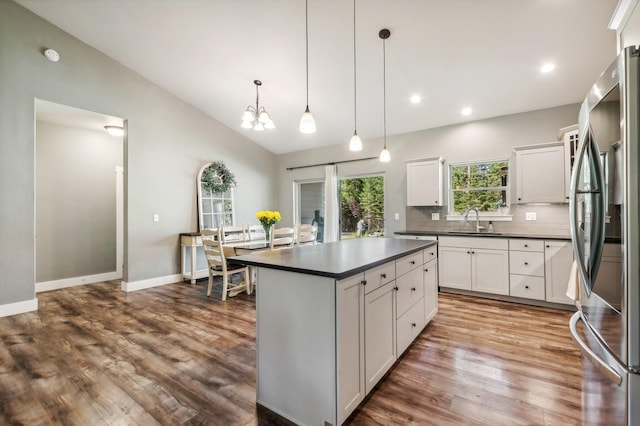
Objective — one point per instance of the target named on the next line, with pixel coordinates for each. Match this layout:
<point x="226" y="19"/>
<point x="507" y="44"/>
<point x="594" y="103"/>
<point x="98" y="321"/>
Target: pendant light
<point x="384" y="34"/>
<point x="355" y="144"/>
<point x="307" y="123"/>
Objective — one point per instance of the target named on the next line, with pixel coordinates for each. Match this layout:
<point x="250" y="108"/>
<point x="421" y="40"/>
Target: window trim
<point x="494" y="216"/>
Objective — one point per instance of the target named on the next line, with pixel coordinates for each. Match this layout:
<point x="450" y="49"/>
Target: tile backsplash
<point x="551" y="219"/>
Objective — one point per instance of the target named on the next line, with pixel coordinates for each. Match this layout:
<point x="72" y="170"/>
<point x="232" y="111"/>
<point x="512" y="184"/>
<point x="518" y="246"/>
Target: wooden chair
<point x="306" y="234"/>
<point x="216" y="255"/>
<point x="281" y="238"/>
<point x="256" y="233"/>
<point x="232" y="234"/>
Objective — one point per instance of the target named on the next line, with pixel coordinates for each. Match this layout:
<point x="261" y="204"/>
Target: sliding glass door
<point x="309" y="204"/>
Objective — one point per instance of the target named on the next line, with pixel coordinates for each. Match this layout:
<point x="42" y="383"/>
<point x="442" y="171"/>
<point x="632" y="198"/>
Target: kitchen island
<point x="333" y="318"/>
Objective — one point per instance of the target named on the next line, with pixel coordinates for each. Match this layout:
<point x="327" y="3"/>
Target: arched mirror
<point x="216" y="206"/>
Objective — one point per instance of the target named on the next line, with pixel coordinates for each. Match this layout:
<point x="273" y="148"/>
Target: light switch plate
<point x="397" y="216"/>
<point x="435" y="216"/>
<point x="156" y="218"/>
<point x="530" y="216"/>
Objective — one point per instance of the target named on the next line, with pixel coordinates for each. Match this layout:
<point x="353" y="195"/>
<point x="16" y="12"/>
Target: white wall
<point x="168" y="141"/>
<point x="479" y="140"/>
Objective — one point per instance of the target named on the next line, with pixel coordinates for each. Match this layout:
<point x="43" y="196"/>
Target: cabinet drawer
<point x="526" y="263"/>
<point x="409" y="326"/>
<point x="526" y="245"/>
<point x="407" y="263"/>
<point x="527" y="287"/>
<point x="430" y="253"/>
<point x="379" y="276"/>
<point x="410" y="290"/>
<point x="475" y="242"/>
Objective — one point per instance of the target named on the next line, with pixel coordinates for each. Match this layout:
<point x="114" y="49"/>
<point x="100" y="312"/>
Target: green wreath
<point x="217" y="178"/>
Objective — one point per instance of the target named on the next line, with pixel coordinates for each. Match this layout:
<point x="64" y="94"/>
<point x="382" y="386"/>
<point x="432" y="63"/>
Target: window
<point x="361" y="207"/>
<point x="482" y="185"/>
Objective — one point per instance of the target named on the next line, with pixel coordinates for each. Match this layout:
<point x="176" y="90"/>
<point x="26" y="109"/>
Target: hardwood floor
<point x="169" y="355"/>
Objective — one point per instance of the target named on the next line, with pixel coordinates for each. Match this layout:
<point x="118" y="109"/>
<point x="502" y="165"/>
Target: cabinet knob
<point x="526" y="286"/>
<point x="526" y="245"/>
<point x="413" y="262"/>
<point x="426" y="270"/>
<point x="468" y="252"/>
<point x="383" y="275"/>
<point x="395" y="288"/>
<point x="413" y="324"/>
<point x="548" y="246"/>
<point x="526" y="263"/>
<point x="473" y="252"/>
<point x="519" y="199"/>
<point x="431" y="253"/>
<point x="363" y="282"/>
<point x="413" y="289"/>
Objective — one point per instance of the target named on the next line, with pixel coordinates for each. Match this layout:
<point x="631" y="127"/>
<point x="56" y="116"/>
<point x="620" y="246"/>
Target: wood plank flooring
<point x="169" y="355"/>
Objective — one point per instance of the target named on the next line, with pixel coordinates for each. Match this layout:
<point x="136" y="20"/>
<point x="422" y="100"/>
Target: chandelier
<point x="257" y="118"/>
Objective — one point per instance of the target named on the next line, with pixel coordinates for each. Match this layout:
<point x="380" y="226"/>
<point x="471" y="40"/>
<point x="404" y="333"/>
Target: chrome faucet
<point x="466" y="216"/>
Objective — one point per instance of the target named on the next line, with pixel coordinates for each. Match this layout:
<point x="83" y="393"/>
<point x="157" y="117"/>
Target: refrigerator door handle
<point x="600" y="364"/>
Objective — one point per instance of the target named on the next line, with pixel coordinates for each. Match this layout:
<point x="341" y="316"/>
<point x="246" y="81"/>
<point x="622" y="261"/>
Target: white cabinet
<point x="424" y="182"/>
<point x="380" y="333"/>
<point x="477" y="264"/>
<point x="430" y="289"/>
<point x="350" y="338"/>
<point x="409" y="300"/>
<point x="569" y="137"/>
<point x="558" y="257"/>
<point x="527" y="264"/>
<point x="540" y="174"/>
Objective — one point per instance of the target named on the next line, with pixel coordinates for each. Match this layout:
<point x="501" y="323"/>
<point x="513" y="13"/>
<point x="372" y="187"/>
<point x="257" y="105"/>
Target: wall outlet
<point x="156" y="218"/>
<point x="397" y="216"/>
<point x="530" y="216"/>
<point x="435" y="216"/>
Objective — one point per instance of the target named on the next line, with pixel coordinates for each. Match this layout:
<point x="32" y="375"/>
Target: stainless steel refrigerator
<point x="605" y="219"/>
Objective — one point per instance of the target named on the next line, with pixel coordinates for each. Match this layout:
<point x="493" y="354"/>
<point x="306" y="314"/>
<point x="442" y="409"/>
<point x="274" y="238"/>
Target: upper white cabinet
<point x="424" y="182"/>
<point x="540" y="174"/>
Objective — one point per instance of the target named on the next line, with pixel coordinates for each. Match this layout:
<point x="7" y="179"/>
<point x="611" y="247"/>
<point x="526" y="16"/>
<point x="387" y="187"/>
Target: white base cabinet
<point x="476" y="264"/>
<point x="380" y="333"/>
<point x="558" y="257"/>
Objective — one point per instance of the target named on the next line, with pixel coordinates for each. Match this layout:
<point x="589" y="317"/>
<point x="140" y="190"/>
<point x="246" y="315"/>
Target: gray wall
<point x="75" y="201"/>
<point x="168" y="142"/>
<point x="480" y="140"/>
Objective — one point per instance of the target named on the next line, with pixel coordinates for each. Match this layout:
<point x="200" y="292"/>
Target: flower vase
<point x="267" y="231"/>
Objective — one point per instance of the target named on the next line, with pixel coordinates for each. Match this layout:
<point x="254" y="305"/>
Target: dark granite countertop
<point x="485" y="234"/>
<point x="338" y="259"/>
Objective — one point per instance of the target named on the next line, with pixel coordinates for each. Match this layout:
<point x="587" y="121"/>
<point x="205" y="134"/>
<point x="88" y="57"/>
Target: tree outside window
<point x="362" y="206"/>
<point x="482" y="185"/>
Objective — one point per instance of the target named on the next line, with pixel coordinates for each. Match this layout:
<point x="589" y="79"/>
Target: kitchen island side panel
<point x="295" y="344"/>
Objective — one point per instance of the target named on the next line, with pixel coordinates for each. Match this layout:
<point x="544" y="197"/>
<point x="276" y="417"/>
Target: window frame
<point x="495" y="216"/>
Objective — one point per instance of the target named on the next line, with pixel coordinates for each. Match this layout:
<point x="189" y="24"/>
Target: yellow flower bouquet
<point x="268" y="218"/>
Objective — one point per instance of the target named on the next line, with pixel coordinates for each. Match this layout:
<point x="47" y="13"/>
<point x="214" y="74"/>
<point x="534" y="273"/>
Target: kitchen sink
<point x="473" y="233"/>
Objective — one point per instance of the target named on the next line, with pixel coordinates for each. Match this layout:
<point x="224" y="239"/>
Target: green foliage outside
<point x="481" y="185"/>
<point x="362" y="198"/>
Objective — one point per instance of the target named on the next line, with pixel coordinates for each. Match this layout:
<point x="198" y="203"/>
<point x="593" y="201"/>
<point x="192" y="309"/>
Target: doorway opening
<point x="79" y="197"/>
<point x="361" y="207"/>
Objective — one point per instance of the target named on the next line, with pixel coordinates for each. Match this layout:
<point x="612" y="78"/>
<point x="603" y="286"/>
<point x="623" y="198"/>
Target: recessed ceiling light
<point x="415" y="99"/>
<point x="52" y="55"/>
<point x="466" y="111"/>
<point x="547" y="68"/>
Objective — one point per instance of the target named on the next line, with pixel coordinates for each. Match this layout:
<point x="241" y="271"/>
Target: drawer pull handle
<point x="363" y="282"/>
<point x="413" y="324"/>
<point x="413" y="289"/>
<point x="383" y="275"/>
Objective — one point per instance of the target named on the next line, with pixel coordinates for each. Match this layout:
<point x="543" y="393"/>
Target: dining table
<point x="239" y="248"/>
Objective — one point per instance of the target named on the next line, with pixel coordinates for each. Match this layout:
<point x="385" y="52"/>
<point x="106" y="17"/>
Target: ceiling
<point x="483" y="54"/>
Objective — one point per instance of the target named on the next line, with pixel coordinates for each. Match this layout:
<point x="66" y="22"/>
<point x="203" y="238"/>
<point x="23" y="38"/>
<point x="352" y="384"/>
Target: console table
<point x="191" y="240"/>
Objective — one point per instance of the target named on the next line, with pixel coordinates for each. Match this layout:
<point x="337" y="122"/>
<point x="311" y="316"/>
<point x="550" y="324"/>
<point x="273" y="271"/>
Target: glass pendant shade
<point x="247" y="124"/>
<point x="355" y="144"/>
<point x="307" y="123"/>
<point x="264" y="116"/>
<point x="248" y="115"/>
<point x="258" y="126"/>
<point x="385" y="156"/>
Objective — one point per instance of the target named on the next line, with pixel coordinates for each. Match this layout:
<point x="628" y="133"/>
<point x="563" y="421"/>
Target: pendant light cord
<point x="384" y="90"/>
<point x="355" y="80"/>
<point x="306" y="29"/>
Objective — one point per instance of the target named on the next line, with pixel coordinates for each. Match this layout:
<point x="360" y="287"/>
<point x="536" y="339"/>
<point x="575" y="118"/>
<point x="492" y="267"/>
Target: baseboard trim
<point x="18" y="307"/>
<point x="151" y="282"/>
<point x="72" y="282"/>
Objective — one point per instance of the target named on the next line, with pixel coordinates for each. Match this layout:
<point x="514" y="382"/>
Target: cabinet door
<point x="350" y="348"/>
<point x="455" y="267"/>
<point x="410" y="290"/>
<point x="558" y="257"/>
<point x="380" y="329"/>
<point x="424" y="183"/>
<point x="490" y="271"/>
<point x="430" y="290"/>
<point x="540" y="175"/>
